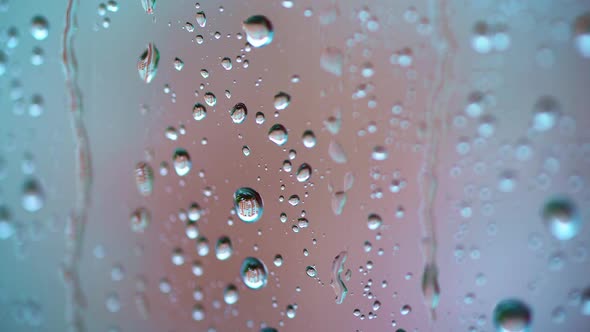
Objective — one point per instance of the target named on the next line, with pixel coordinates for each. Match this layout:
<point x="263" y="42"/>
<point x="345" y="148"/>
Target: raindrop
<point x="199" y="112"/>
<point x="311" y="271"/>
<point x="248" y="205"/>
<point x="512" y="315"/>
<point x="147" y="65"/>
<point x="259" y="30"/>
<point x="39" y="28"/>
<point x="182" y="162"/>
<point x="374" y="221"/>
<point x="33" y="198"/>
<point x="545" y="113"/>
<point x="308" y="138"/>
<point x="226" y="63"/>
<point x="178" y="64"/>
<point x="254" y="273"/>
<point x="281" y="101"/>
<point x="230" y="294"/>
<point x="223" y="249"/>
<point x="238" y="113"/>
<point x="278" y="134"/>
<point x="303" y="172"/>
<point x="201" y="19"/>
<point x="561" y="216"/>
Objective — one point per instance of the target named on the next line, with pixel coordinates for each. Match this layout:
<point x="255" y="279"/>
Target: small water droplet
<point x="512" y="315"/>
<point x="39" y="28"/>
<point x="561" y="216"/>
<point x="238" y="113"/>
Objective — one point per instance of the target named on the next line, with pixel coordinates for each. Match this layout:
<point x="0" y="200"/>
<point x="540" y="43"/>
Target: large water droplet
<point x="282" y="101"/>
<point x="254" y="273"/>
<point x="561" y="216"/>
<point x="278" y="134"/>
<point x="39" y="28"/>
<point x="199" y="112"/>
<point x="512" y="315"/>
<point x="259" y="30"/>
<point x="238" y="113"/>
<point x="201" y="19"/>
<point x="147" y="65"/>
<point x="248" y="205"/>
<point x="182" y="162"/>
<point x="303" y="172"/>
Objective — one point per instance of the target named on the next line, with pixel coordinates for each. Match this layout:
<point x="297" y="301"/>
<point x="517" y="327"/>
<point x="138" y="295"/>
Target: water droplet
<point x="223" y="249"/>
<point x="182" y="162"/>
<point x="210" y="99"/>
<point x="308" y="138"/>
<point x="278" y="260"/>
<point x="582" y="35"/>
<point x="336" y="282"/>
<point x="304" y="172"/>
<point x="248" y="205"/>
<point x="199" y="111"/>
<point x="140" y="219"/>
<point x="259" y="30"/>
<point x="144" y="178"/>
<point x="226" y="63"/>
<point x="331" y="60"/>
<point x="561" y="216"/>
<point x="311" y="271"/>
<point x="238" y="113"/>
<point x="278" y="134"/>
<point x="147" y="65"/>
<point x="430" y="287"/>
<point x="198" y="312"/>
<point x="39" y="28"/>
<point x="260" y="118"/>
<point x="178" y="64"/>
<point x="374" y="221"/>
<point x="33" y="198"/>
<point x="230" y="294"/>
<point x="148" y="6"/>
<point x="254" y="273"/>
<point x="379" y="153"/>
<point x="512" y="315"/>
<point x="282" y="101"/>
<point x="290" y="311"/>
<point x="406" y="309"/>
<point x="545" y="113"/>
<point x="246" y="150"/>
<point x="201" y="19"/>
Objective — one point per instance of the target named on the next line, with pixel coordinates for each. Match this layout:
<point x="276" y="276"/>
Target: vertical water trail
<point x="445" y="46"/>
<point x="76" y="222"/>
